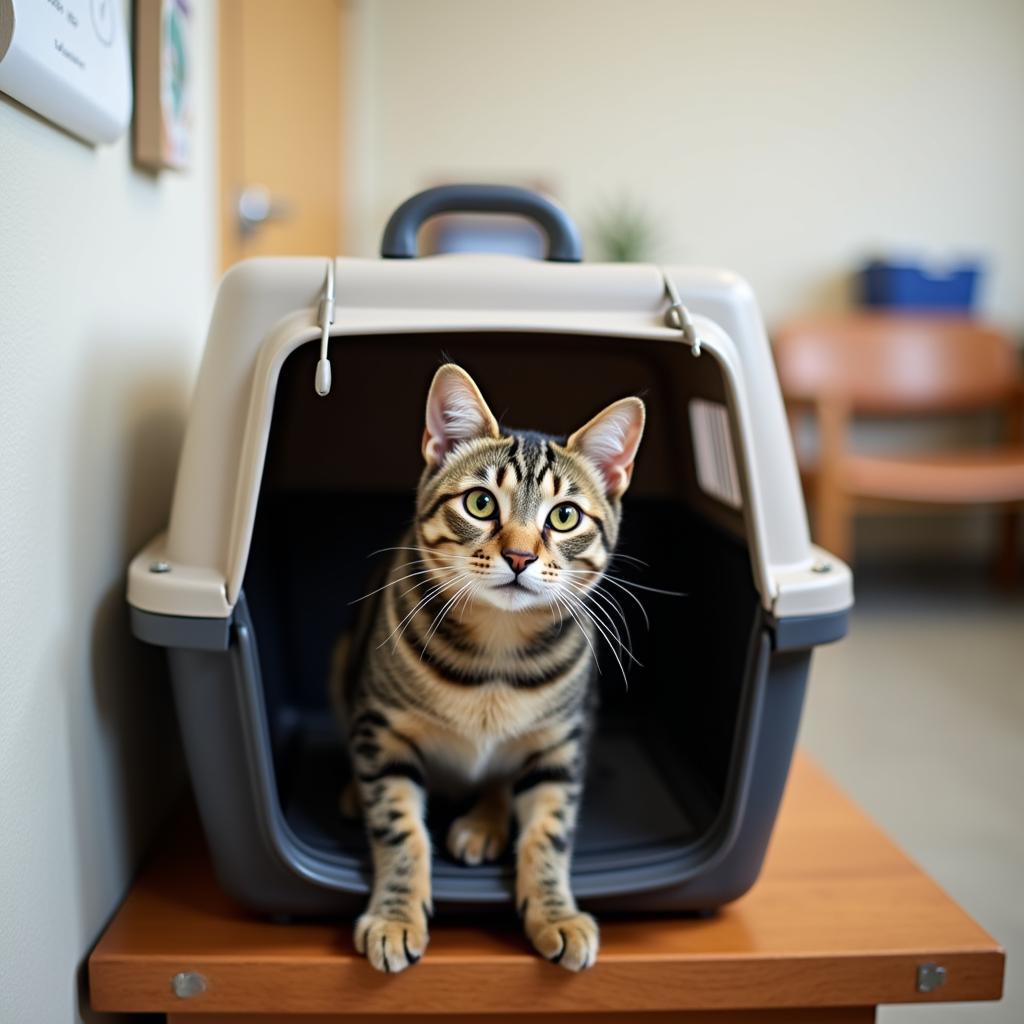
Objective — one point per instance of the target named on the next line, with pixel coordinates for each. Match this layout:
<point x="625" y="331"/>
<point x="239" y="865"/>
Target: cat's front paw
<point x="571" y="942"/>
<point x="477" y="838"/>
<point x="390" y="945"/>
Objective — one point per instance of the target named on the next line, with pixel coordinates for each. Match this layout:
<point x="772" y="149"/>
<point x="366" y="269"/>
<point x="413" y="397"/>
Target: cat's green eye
<point x="564" y="517"/>
<point x="480" y="504"/>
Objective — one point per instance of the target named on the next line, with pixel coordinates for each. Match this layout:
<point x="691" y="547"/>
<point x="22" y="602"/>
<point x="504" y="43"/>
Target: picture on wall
<point x="163" y="83"/>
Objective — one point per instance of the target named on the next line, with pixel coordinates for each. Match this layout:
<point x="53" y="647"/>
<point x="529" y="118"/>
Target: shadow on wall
<point x="124" y="751"/>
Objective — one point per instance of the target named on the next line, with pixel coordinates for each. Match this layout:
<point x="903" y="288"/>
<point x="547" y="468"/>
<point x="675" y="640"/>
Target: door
<point x="280" y="127"/>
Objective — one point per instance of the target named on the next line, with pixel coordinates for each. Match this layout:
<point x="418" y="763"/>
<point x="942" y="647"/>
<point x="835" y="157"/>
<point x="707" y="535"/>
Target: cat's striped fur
<point x="472" y="667"/>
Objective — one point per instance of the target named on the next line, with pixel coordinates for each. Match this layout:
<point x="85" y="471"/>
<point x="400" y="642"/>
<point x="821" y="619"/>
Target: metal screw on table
<point x="160" y="567"/>
<point x="930" y="977"/>
<point x="187" y="984"/>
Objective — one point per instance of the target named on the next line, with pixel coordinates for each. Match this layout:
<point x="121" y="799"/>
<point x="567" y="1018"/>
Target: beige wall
<point x="786" y="140"/>
<point x="106" y="279"/>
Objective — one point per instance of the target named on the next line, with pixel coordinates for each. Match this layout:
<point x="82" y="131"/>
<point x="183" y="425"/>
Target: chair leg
<point x="833" y="504"/>
<point x="1007" y="565"/>
<point x="833" y="519"/>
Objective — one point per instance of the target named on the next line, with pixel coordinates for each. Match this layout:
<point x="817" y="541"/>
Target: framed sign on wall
<point x="163" y="83"/>
<point x="68" y="60"/>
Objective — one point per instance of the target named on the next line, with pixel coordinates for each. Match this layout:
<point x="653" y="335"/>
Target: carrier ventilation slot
<point x="712" y="447"/>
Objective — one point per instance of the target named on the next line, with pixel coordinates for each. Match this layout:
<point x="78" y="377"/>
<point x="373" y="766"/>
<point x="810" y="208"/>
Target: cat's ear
<point x="456" y="411"/>
<point x="610" y="441"/>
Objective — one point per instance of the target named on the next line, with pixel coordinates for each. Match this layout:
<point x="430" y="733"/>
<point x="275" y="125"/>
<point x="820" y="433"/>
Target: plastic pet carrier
<point x="289" y="480"/>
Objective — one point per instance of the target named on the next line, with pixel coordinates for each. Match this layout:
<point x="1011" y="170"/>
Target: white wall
<point x="106" y="280"/>
<point x="785" y="140"/>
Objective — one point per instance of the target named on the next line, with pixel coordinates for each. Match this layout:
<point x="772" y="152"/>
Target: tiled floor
<point x="919" y="715"/>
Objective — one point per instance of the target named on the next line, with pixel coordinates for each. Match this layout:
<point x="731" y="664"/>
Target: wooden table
<point x="839" y="922"/>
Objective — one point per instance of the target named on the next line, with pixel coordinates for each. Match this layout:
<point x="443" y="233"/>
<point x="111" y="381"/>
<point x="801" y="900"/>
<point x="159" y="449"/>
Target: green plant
<point x="625" y="231"/>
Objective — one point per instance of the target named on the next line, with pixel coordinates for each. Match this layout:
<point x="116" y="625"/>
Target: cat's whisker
<point x="414" y="610"/>
<point x="441" y="614"/>
<point x="454" y="563"/>
<point x="601" y="617"/>
<point x="582" y="629"/>
<point x="586" y="592"/>
<point x="610" y="598"/>
<point x="406" y="593"/>
<point x="440" y="569"/>
<point x="561" y="621"/>
<point x="630" y="594"/>
<point x="471" y="595"/>
<point x="448" y="607"/>
<point x="456" y="559"/>
<point x="462" y="605"/>
<point x="417" y="550"/>
<point x="615" y="583"/>
<point x="611" y="645"/>
<point x="437" y="590"/>
<point x="641" y="586"/>
<point x="573" y="600"/>
<point x="596" y="589"/>
<point x="598" y="593"/>
<point x="400" y="628"/>
<point x="626" y="583"/>
<point x="629" y="558"/>
<point x="395" y="582"/>
<point x="397" y="547"/>
<point x="412" y="561"/>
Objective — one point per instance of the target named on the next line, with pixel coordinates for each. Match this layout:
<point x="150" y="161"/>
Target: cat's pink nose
<point x="518" y="560"/>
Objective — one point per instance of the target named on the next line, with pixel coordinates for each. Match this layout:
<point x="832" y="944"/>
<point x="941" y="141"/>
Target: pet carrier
<point x="289" y="479"/>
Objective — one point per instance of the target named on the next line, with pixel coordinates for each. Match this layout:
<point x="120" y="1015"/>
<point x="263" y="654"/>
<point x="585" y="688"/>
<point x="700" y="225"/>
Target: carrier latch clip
<point x="678" y="316"/>
<point x="325" y="317"/>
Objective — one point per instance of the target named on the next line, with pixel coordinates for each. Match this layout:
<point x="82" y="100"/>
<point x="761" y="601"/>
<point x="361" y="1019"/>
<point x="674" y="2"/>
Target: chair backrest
<point x="890" y="363"/>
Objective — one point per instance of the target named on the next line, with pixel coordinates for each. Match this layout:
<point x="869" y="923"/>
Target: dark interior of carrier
<point x="338" y="484"/>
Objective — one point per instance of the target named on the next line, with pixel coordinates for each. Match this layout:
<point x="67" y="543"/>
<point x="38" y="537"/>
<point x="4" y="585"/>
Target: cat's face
<point x="518" y="520"/>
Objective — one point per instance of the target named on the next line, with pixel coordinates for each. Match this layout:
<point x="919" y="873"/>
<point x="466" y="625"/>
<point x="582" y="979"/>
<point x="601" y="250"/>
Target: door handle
<point x="256" y="206"/>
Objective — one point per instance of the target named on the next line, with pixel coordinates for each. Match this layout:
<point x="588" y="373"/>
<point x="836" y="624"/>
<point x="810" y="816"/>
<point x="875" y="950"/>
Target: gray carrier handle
<point x="399" y="241"/>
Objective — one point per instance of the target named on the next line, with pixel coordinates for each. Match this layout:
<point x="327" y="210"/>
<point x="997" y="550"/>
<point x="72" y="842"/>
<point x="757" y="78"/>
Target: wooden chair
<point x="903" y="365"/>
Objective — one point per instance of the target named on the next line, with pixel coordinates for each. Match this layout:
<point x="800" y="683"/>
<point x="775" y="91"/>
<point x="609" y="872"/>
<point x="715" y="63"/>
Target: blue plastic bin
<point x="887" y="285"/>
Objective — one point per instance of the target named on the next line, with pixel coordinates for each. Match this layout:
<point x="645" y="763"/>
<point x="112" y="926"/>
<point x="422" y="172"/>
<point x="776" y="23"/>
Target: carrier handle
<point x="399" y="241"/>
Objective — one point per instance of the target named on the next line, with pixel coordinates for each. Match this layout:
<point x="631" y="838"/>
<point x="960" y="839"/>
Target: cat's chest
<point x="485" y="715"/>
<point x="483" y="734"/>
<point x="457" y="764"/>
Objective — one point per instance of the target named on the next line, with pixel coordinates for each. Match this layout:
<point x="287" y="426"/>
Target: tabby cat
<point x="474" y="670"/>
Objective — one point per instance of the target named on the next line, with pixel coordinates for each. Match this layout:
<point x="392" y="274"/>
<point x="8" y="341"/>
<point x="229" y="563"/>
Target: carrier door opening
<point x="339" y="484"/>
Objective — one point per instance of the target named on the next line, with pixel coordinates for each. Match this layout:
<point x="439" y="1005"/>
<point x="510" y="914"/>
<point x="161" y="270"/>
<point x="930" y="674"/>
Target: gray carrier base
<point x="281" y="847"/>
